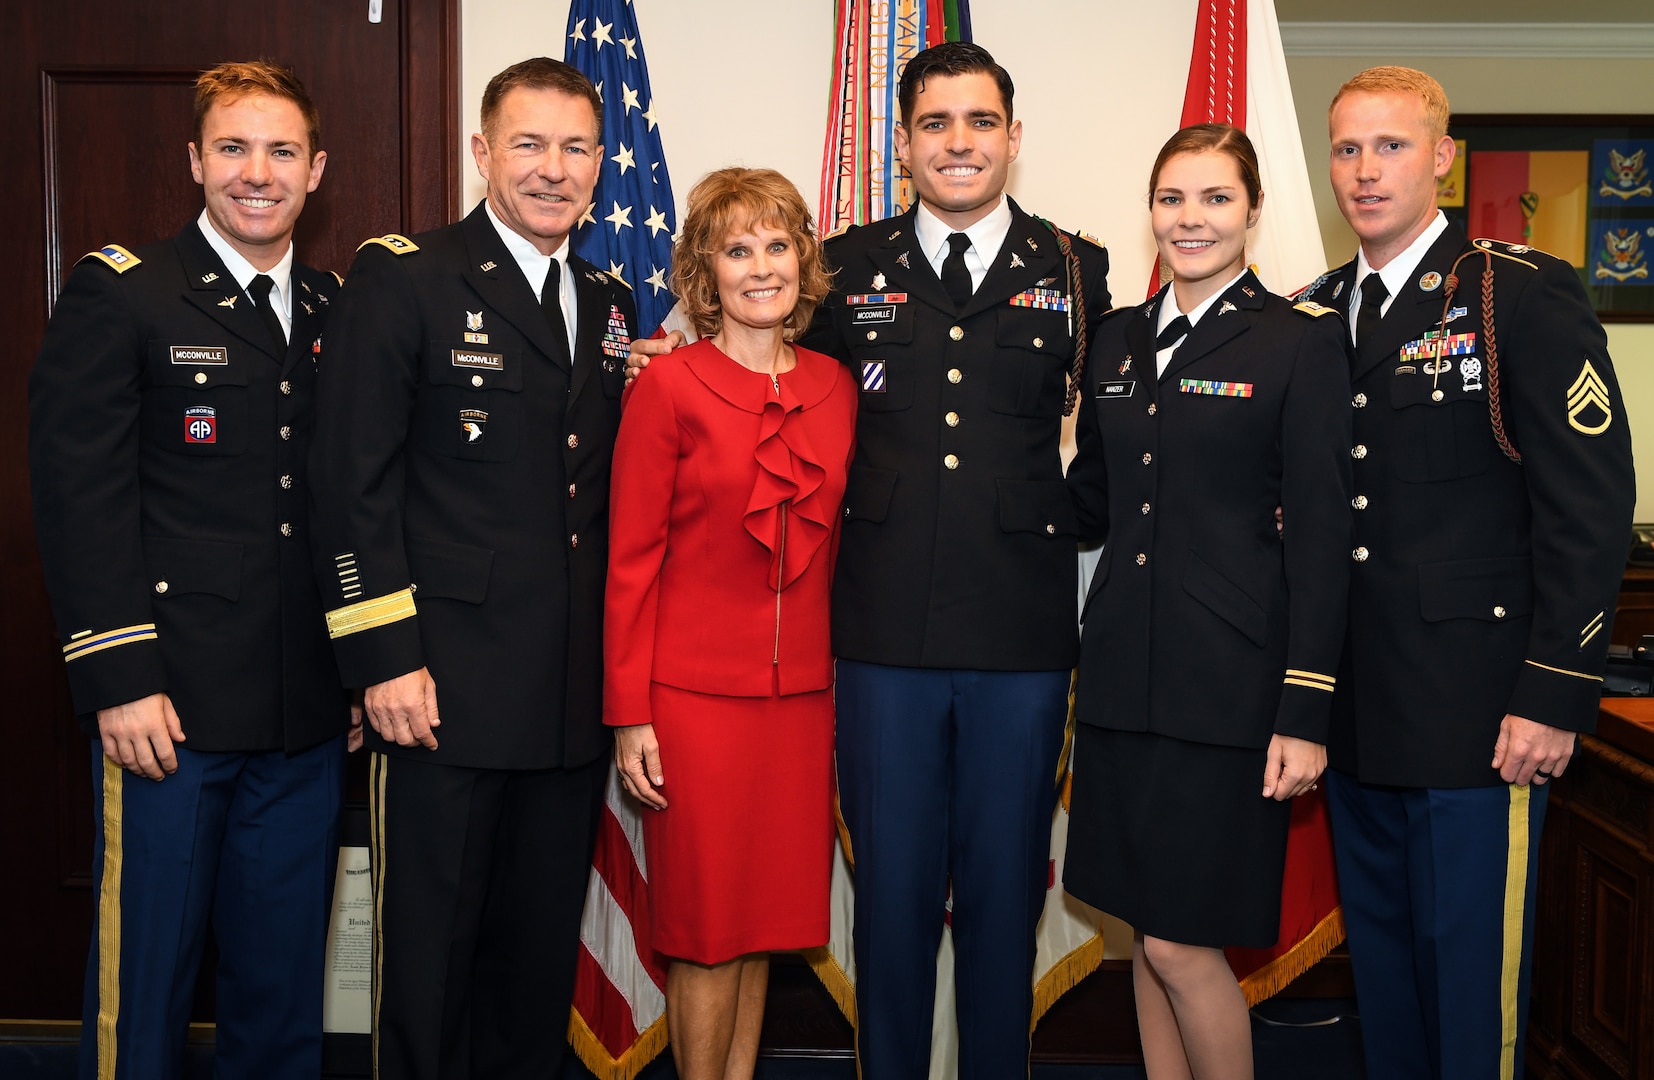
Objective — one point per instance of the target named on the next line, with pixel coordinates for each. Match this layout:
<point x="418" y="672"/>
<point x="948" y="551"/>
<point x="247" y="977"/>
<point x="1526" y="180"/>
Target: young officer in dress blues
<point x="462" y="449"/>
<point x="1494" y="492"/>
<point x="953" y="603"/>
<point x="169" y="411"/>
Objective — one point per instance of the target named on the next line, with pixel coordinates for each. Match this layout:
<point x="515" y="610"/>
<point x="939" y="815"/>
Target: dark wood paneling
<point x="98" y="109"/>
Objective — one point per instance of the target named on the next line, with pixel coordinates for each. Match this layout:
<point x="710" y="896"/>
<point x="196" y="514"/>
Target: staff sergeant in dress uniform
<point x="1493" y="499"/>
<point x="954" y="608"/>
<point x="462" y="453"/>
<point x="169" y="417"/>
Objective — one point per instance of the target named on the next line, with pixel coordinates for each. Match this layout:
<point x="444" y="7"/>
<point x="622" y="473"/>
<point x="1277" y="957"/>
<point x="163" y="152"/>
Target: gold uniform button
<point x="1039" y="343"/>
<point x="161" y="586"/>
<point x="476" y="380"/>
<point x="1360" y="554"/>
<point x="574" y="441"/>
<point x="1498" y="611"/>
<point x="951" y="461"/>
<point x="571" y="491"/>
<point x="872" y="335"/>
<point x="1147" y="458"/>
<point x="954" y="375"/>
<point x="1051" y="530"/>
<point x="1142" y="559"/>
<point x="1145" y="508"/>
<point x="286" y="482"/>
<point x="1358" y="451"/>
<point x="286" y="432"/>
<point x="952" y="419"/>
<point x="286" y="528"/>
<point x="574" y="540"/>
<point x="286" y="387"/>
<point x="1359" y="401"/>
<point x="956" y="333"/>
<point x="1359" y="502"/>
<point x="1436" y="395"/>
<point x="200" y="377"/>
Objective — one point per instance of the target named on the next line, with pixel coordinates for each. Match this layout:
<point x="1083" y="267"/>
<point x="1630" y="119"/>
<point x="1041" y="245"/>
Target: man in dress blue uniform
<point x="462" y="454"/>
<point x="169" y="411"/>
<point x="954" y="611"/>
<point x="1494" y="492"/>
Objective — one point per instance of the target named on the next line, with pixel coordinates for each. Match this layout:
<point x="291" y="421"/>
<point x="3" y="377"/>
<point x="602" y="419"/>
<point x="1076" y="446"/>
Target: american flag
<point x="618" y="1023"/>
<point x="629" y="226"/>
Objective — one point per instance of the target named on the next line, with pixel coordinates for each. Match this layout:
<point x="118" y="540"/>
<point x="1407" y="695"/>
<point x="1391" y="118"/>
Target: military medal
<point x="878" y="282"/>
<point x="473" y="328"/>
<point x="1431" y="281"/>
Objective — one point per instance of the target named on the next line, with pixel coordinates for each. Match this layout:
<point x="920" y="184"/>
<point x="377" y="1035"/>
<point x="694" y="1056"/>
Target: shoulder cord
<point x="1076" y="295"/>
<point x="1495" y="408"/>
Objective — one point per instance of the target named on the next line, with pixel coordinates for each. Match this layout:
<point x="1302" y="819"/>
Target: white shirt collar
<point x="1399" y="269"/>
<point x="1169" y="311"/>
<point x="244" y="272"/>
<point x="987" y="235"/>
<point x="534" y="265"/>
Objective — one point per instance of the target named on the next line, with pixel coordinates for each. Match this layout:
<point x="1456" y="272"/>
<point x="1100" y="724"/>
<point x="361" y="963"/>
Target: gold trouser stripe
<point x="1565" y="671"/>
<point x="109" y="921"/>
<point x="380" y="611"/>
<point x="376" y="828"/>
<point x="1516" y="892"/>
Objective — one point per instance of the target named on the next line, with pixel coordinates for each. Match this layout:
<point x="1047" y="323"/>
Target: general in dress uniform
<point x="953" y="598"/>
<point x="169" y="418"/>
<point x="1493" y="499"/>
<point x="462" y="455"/>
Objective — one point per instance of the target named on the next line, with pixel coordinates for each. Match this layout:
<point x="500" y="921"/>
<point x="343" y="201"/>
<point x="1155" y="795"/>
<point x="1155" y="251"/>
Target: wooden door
<point x="97" y="118"/>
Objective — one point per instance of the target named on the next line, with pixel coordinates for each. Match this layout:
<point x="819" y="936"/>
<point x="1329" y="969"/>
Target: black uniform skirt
<point x="1174" y="837"/>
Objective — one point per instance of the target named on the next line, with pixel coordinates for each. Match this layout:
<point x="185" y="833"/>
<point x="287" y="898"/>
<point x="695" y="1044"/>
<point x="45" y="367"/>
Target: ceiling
<point x="1467" y="11"/>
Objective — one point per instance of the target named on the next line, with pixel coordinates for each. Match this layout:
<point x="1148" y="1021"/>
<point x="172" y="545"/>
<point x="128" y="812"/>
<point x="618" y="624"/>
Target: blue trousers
<point x="247" y="842"/>
<point x="1438" y="892"/>
<point x="947" y="776"/>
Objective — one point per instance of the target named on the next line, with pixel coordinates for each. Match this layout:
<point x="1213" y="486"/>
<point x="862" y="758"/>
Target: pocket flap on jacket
<point x="1037" y="506"/>
<point x="1492" y="590"/>
<point x="451" y="571"/>
<point x="867" y="493"/>
<point x="193" y="566"/>
<point x="1227" y="601"/>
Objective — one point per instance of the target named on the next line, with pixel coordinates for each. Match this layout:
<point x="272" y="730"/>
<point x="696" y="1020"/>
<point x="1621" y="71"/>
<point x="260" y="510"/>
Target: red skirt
<point x="741" y="858"/>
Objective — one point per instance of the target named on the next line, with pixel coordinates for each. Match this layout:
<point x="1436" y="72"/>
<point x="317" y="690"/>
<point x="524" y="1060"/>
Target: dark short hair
<point x="949" y="59"/>
<point x="538" y="73"/>
<point x="231" y="82"/>
<point x="736" y="198"/>
<point x="1221" y="138"/>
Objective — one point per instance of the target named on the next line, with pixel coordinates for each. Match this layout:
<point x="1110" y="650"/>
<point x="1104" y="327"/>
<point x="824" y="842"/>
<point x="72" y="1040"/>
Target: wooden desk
<point x="1593" y="973"/>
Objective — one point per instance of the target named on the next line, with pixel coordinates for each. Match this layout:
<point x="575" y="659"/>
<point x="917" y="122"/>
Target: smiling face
<point x="1200" y="216"/>
<point x="255" y="166"/>
<point x="541" y="161"/>
<point x="1385" y="163"/>
<point x="756" y="269"/>
<point x="959" y="144"/>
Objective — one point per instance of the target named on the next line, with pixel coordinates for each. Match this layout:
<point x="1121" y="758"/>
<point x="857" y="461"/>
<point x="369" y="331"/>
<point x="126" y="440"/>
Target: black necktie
<point x="1373" y="294"/>
<point x="1175" y="331"/>
<point x="956" y="279"/>
<point x="260" y="290"/>
<point x="551" y="302"/>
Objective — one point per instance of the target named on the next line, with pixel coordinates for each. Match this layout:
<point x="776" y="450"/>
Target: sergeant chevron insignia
<point x="1587" y="393"/>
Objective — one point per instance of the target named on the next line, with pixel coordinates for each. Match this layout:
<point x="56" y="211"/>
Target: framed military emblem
<point x="1580" y="188"/>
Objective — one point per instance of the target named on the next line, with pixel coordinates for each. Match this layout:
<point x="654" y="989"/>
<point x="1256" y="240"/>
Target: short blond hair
<point x="1401" y="80"/>
<point x="729" y="200"/>
<point x="229" y="83"/>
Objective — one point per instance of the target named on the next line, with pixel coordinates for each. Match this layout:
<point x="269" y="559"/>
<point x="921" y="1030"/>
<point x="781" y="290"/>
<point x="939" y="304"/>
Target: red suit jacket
<point x="724" y="523"/>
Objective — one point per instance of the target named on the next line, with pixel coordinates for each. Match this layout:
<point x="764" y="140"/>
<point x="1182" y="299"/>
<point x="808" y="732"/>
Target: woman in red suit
<point x="729" y="475"/>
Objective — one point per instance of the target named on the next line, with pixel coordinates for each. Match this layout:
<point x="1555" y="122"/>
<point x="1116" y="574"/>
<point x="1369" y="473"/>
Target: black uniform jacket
<point x="462" y="492"/>
<point x="1479" y="586"/>
<point x="959" y="541"/>
<point x="167" y="442"/>
<point x="1203" y="622"/>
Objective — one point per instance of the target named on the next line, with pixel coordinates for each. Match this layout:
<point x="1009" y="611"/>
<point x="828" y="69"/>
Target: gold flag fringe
<point x="1064" y="975"/>
<point x="834" y="978"/>
<point x="1274" y="976"/>
<point x="595" y="1056"/>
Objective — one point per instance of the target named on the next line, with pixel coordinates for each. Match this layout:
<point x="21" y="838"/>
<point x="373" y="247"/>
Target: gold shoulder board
<point x="1088" y="238"/>
<point x="336" y="276"/>
<point x="618" y="278"/>
<point x="1310" y="307"/>
<point x="1509" y="251"/>
<point x="396" y="242"/>
<point x="115" y="257"/>
<point x="841" y="230"/>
